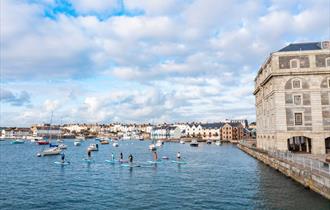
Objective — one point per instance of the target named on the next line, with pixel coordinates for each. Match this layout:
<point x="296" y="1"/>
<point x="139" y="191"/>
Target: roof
<point x="302" y="47"/>
<point x="212" y="125"/>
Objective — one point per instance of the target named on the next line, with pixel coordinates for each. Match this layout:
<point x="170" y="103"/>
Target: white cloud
<point x="165" y="60"/>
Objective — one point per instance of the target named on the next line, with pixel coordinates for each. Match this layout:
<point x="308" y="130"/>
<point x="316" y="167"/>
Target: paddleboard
<point x="179" y="162"/>
<point x="123" y="161"/>
<point x="88" y="160"/>
<point x="154" y="162"/>
<point x="129" y="165"/>
<point x="111" y="161"/>
<point x="63" y="164"/>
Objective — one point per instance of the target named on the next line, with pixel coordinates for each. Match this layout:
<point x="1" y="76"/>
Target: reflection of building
<point x="292" y="91"/>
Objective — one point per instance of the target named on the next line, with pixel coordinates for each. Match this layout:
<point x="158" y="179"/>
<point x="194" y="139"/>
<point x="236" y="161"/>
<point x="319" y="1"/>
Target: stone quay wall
<point x="317" y="182"/>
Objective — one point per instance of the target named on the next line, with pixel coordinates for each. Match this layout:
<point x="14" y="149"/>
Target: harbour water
<point x="215" y="177"/>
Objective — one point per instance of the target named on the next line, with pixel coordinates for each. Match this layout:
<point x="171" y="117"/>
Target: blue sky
<point x="101" y="61"/>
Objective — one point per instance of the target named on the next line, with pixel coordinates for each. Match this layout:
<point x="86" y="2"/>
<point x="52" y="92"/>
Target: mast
<point x="50" y="126"/>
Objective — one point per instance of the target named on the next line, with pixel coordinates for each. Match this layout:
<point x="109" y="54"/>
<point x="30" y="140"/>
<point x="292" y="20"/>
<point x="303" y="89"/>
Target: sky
<point x="134" y="61"/>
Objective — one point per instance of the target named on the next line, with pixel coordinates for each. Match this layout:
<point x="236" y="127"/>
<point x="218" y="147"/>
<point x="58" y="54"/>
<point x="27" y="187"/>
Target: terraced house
<point x="292" y="92"/>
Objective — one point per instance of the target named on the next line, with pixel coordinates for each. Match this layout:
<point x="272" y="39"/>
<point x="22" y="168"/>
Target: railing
<point x="306" y="162"/>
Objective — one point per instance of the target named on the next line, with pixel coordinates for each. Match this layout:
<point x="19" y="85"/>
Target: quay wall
<point x="315" y="181"/>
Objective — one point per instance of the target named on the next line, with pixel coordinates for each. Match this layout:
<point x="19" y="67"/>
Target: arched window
<point x="294" y="64"/>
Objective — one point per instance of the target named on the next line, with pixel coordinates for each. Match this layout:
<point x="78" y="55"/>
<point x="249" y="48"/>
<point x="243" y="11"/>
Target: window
<point x="298" y="118"/>
<point x="327" y="62"/>
<point x="294" y="64"/>
<point x="296" y="84"/>
<point x="297" y="99"/>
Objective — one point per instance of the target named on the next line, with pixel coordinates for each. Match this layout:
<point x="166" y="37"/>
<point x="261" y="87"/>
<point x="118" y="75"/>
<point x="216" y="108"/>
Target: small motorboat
<point x="93" y="147"/>
<point x="18" y="141"/>
<point x="159" y="143"/>
<point x="53" y="145"/>
<point x="218" y="143"/>
<point x="208" y="142"/>
<point x="62" y="146"/>
<point x="50" y="151"/>
<point x="42" y="142"/>
<point x="141" y="139"/>
<point x="194" y="143"/>
<point x="182" y="142"/>
<point x="115" y="144"/>
<point x="104" y="142"/>
<point x="77" y="143"/>
<point x="152" y="147"/>
<point x="60" y="140"/>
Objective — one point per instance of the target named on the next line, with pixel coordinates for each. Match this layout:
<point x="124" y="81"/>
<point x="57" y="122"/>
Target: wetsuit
<point x="121" y="156"/>
<point x="112" y="157"/>
<point x="89" y="153"/>
<point x="62" y="157"/>
<point x="155" y="156"/>
<point x="130" y="157"/>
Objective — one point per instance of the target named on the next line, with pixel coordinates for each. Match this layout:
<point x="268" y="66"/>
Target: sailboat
<point x="52" y="150"/>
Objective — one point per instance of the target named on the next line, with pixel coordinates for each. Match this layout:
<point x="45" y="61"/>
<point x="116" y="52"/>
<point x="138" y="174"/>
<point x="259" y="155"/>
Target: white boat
<point x="77" y="143"/>
<point x="93" y="147"/>
<point x="159" y="143"/>
<point x="194" y="143"/>
<point x="60" y="140"/>
<point x="80" y="137"/>
<point x="152" y="147"/>
<point x="62" y="146"/>
<point x="115" y="144"/>
<point x="50" y="151"/>
<point x="218" y="143"/>
<point x="182" y="142"/>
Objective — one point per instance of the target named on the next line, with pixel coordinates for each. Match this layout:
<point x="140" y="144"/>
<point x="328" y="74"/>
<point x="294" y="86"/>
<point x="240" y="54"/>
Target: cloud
<point x="139" y="60"/>
<point x="15" y="99"/>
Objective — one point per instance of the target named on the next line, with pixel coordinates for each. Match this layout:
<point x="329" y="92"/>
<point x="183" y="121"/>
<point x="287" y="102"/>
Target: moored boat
<point x="218" y="143"/>
<point x="18" y="141"/>
<point x="194" y="143"/>
<point x="77" y="143"/>
<point x="50" y="151"/>
<point x="182" y="142"/>
<point x="115" y="144"/>
<point x="104" y="142"/>
<point x="93" y="147"/>
<point x="62" y="146"/>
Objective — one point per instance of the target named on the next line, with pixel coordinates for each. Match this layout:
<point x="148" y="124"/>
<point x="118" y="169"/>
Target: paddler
<point x="112" y="157"/>
<point x="178" y="156"/>
<point x="121" y="156"/>
<point x="130" y="158"/>
<point x="89" y="154"/>
<point x="62" y="157"/>
<point x="155" y="156"/>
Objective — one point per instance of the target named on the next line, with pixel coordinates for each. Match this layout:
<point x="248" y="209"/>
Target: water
<point x="214" y="178"/>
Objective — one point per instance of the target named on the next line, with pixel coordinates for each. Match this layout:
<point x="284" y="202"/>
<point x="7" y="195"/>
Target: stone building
<point x="292" y="91"/>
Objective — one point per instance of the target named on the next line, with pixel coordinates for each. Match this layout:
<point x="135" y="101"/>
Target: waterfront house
<point x="232" y="131"/>
<point x="292" y="94"/>
<point x="211" y="131"/>
<point x="166" y="132"/>
<point x="46" y="130"/>
<point x="15" y="133"/>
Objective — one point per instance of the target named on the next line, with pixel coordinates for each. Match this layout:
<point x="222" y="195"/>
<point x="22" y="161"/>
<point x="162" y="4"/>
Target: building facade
<point x="292" y="93"/>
